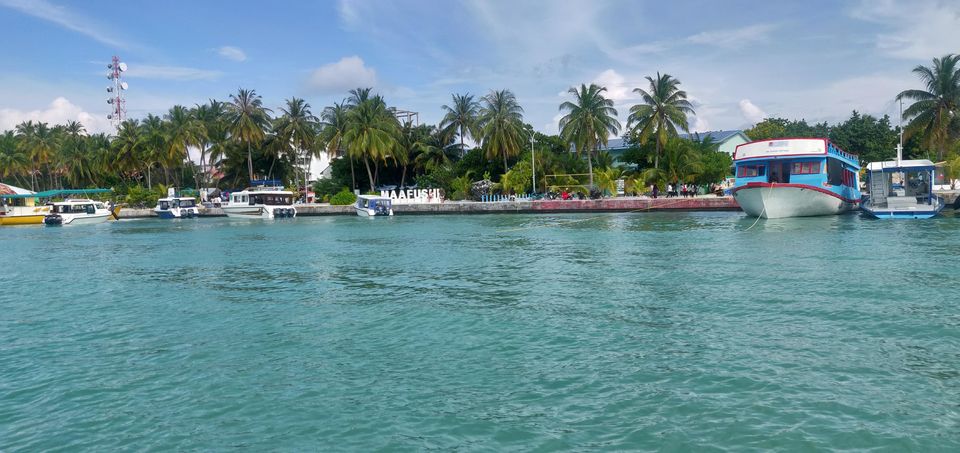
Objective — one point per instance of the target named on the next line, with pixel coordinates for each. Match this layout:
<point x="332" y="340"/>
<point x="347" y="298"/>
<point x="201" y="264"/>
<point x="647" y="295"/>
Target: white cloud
<point x="232" y="53"/>
<point x="917" y="29"/>
<point x="751" y="112"/>
<point x="66" y="19"/>
<point x="733" y="38"/>
<point x="59" y="111"/>
<point x="339" y="77"/>
<point x="170" y="72"/>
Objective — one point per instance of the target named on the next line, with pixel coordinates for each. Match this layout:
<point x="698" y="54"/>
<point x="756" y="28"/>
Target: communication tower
<point x="117" y="100"/>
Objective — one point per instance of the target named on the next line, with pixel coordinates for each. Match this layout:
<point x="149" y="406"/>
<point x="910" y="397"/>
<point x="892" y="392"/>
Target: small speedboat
<point x="80" y="211"/>
<point x="261" y="203"/>
<point x="373" y="206"/>
<point x="901" y="189"/>
<point x="177" y="208"/>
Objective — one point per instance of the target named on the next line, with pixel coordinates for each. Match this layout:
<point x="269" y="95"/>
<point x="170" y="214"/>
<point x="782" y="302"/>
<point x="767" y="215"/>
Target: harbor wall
<point x="626" y="204"/>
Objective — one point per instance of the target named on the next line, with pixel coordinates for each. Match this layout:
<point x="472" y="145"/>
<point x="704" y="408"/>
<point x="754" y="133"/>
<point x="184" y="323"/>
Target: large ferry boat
<point x="261" y="203"/>
<point x="795" y="177"/>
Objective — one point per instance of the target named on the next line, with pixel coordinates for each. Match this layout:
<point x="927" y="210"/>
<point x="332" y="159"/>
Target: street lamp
<point x="533" y="165"/>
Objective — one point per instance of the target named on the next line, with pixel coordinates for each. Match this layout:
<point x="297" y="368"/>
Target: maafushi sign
<point x="413" y="195"/>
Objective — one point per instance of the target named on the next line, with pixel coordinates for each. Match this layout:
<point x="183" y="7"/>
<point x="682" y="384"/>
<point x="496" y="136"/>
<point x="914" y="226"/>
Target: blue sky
<point x="738" y="60"/>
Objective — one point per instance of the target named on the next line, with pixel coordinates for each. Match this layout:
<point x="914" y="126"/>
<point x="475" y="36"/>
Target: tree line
<point x="240" y="139"/>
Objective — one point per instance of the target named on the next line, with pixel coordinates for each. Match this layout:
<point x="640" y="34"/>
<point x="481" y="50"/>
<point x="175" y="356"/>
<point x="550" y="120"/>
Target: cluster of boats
<point x="799" y="177"/>
<point x="22" y="207"/>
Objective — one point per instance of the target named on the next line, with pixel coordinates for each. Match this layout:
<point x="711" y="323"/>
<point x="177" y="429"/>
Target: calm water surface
<point x="673" y="331"/>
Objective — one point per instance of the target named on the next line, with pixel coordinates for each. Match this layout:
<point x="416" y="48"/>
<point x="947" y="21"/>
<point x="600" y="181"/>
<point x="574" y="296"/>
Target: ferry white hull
<point x="782" y="202"/>
<point x="364" y="212"/>
<point x="86" y="219"/>
<point x="259" y="212"/>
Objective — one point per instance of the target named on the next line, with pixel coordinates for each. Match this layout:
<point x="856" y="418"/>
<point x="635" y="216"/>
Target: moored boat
<point x="901" y="189"/>
<point x="77" y="211"/>
<point x="795" y="177"/>
<point x="373" y="206"/>
<point x="177" y="208"/>
<point x="261" y="203"/>
<point x="24" y="207"/>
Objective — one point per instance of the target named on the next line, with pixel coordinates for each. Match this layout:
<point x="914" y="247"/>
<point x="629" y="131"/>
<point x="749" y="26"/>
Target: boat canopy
<point x="57" y="193"/>
<point x="903" y="165"/>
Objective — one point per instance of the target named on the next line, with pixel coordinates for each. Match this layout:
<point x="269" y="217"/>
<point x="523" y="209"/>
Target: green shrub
<point x="327" y="187"/>
<point x="141" y="197"/>
<point x="343" y="198"/>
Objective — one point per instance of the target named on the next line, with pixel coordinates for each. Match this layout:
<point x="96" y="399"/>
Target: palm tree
<point x="665" y="108"/>
<point x="371" y="133"/>
<point x="153" y="143"/>
<point x="589" y="121"/>
<point x="462" y="117"/>
<point x="682" y="163"/>
<point x="332" y="129"/>
<point x="211" y="117"/>
<point x="13" y="161"/>
<point x="127" y="146"/>
<point x="934" y="113"/>
<point x="248" y="119"/>
<point x="39" y="142"/>
<point x="183" y="131"/>
<point x="297" y="128"/>
<point x="501" y="125"/>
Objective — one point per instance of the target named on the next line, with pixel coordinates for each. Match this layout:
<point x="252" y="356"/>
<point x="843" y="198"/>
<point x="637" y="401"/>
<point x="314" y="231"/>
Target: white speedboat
<point x="177" y="208"/>
<point x="261" y="203"/>
<point x="901" y="189"/>
<point x="79" y="211"/>
<point x="373" y="206"/>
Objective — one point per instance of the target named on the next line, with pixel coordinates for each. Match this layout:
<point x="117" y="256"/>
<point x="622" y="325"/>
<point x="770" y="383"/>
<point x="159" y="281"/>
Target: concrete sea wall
<point x="626" y="204"/>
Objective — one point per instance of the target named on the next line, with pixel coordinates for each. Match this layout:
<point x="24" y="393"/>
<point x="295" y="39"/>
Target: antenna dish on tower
<point x="116" y="90"/>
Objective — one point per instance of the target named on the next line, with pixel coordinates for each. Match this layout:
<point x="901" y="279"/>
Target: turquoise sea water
<point x="675" y="331"/>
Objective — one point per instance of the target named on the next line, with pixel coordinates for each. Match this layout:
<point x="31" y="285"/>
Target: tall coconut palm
<point x="184" y="131"/>
<point x="153" y="144"/>
<point x="332" y="129"/>
<point x="935" y="113"/>
<point x="371" y="133"/>
<point x="462" y="117"/>
<point x="248" y="120"/>
<point x="665" y="108"/>
<point x="126" y="147"/>
<point x="297" y="128"/>
<point x="501" y="125"/>
<point x="590" y="120"/>
<point x="13" y="161"/>
<point x="39" y="141"/>
<point x="212" y="117"/>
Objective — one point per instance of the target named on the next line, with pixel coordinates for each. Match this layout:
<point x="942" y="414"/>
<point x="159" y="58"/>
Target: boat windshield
<point x="272" y="199"/>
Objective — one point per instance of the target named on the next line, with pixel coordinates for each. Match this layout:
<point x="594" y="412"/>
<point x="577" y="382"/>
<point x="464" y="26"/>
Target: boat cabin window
<point x="272" y="199"/>
<point x="849" y="178"/>
<point x="164" y="205"/>
<point x="175" y="203"/>
<point x="835" y="172"/>
<point x="805" y="168"/>
<point x="187" y="203"/>
<point x="750" y="171"/>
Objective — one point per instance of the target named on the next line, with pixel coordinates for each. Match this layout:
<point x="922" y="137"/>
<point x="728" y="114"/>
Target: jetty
<point x="620" y="204"/>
